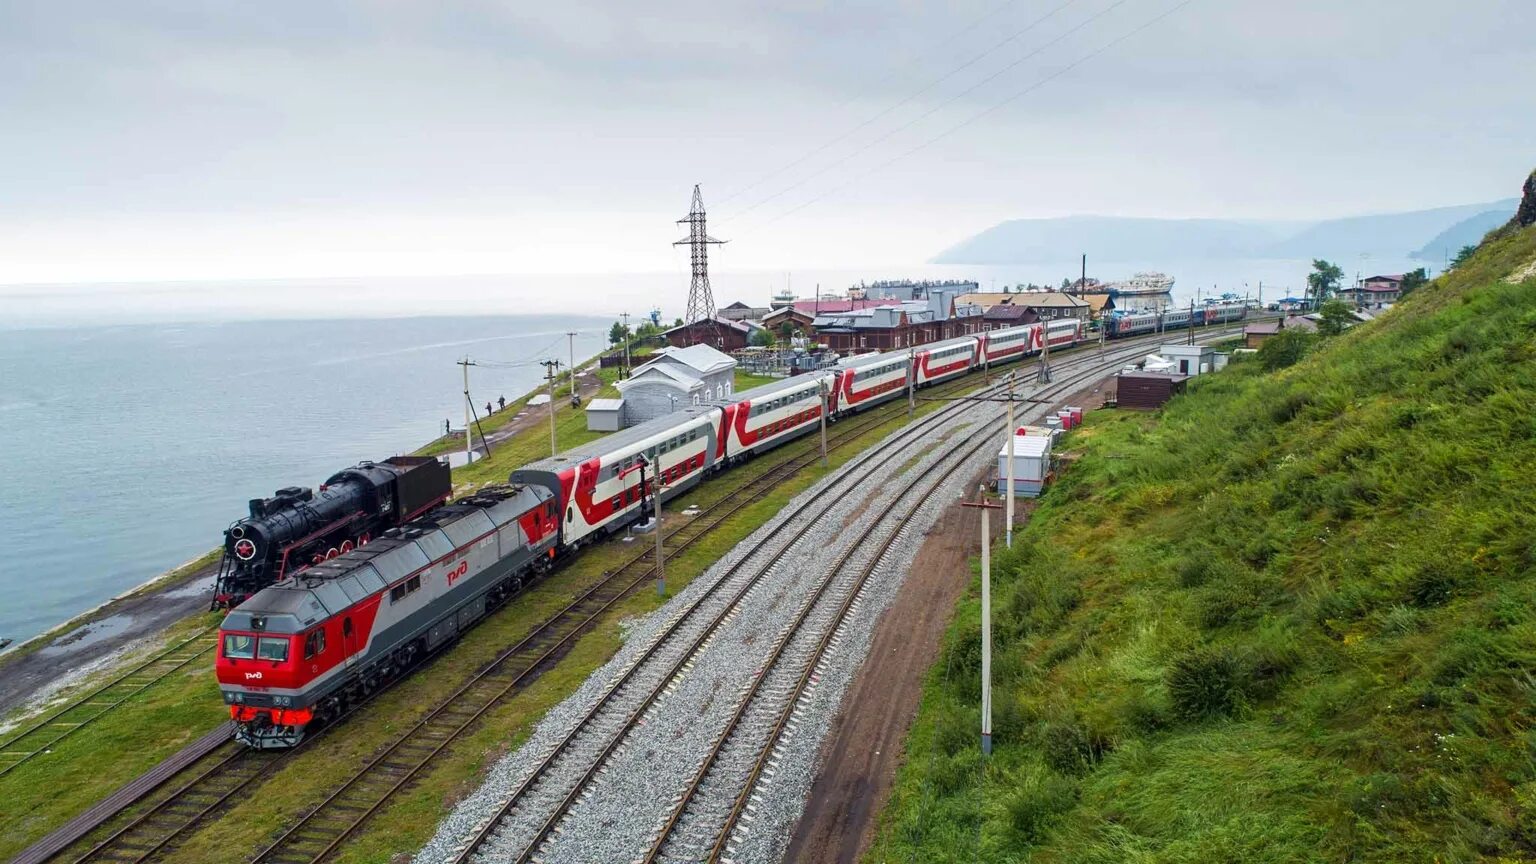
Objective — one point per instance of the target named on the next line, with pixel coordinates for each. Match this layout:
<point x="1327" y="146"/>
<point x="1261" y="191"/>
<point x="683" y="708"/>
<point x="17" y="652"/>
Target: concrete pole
<point x="986" y="632"/>
<point x="822" y="387"/>
<point x="551" y="366"/>
<point x="661" y="556"/>
<point x="1045" y="352"/>
<point x="1008" y="504"/>
<point x="571" y="342"/>
<point x="469" y="447"/>
<point x="911" y="384"/>
<point x="625" y="316"/>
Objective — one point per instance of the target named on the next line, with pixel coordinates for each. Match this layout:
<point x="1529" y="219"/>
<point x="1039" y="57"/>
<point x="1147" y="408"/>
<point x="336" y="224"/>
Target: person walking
<point x="447" y="428"/>
<point x="488" y="409"/>
<point x="501" y="403"/>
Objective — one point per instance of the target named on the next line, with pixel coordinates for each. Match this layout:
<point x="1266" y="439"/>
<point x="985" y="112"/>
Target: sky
<point x="164" y="140"/>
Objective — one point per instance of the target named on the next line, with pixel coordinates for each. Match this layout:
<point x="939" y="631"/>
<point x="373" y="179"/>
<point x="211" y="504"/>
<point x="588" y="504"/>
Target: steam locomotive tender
<point x="299" y="527"/>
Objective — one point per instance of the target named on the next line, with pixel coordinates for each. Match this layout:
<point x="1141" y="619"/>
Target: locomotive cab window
<point x="272" y="648"/>
<point x="239" y="647"/>
<point x="314" y="644"/>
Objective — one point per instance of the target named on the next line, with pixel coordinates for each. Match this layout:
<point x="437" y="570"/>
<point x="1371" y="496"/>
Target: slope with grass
<point x="1292" y="618"/>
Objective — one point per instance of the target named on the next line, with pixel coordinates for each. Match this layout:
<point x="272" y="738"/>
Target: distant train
<point x="298" y="652"/>
<point x="1118" y="324"/>
<point x="299" y="527"/>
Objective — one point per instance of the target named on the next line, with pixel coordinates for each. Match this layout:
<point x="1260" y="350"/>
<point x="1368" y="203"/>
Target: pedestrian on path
<point x="501" y="403"/>
<point x="488" y="409"/>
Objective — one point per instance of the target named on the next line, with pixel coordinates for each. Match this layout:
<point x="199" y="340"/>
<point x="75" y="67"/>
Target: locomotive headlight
<point x="280" y="701"/>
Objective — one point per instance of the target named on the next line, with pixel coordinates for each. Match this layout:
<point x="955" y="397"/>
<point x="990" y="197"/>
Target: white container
<point x="1031" y="459"/>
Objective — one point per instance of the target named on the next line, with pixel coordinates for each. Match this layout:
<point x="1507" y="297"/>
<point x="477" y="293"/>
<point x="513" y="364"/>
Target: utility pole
<point x="1008" y="501"/>
<point x="1045" y="352"/>
<point x="570" y="338"/>
<point x="822" y="387"/>
<point x="625" y="316"/>
<point x="911" y="384"/>
<point x="469" y="449"/>
<point x="661" y="556"/>
<point x="1191" y="328"/>
<point x="986" y="619"/>
<point x="1082" y="284"/>
<point x="550" y="368"/>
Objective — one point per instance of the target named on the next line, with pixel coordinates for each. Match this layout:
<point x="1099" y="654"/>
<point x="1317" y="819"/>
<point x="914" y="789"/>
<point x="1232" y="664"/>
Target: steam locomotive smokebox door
<point x="423" y="481"/>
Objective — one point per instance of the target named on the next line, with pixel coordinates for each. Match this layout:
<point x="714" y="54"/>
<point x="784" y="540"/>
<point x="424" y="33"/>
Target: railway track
<point x="556" y="784"/>
<point x="701" y="822"/>
<point x="324" y="829"/>
<point x="220" y="775"/>
<point x="45" y="734"/>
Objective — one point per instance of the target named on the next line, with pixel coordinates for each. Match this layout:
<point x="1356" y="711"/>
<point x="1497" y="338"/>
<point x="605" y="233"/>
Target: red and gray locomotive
<point x="299" y="527"/>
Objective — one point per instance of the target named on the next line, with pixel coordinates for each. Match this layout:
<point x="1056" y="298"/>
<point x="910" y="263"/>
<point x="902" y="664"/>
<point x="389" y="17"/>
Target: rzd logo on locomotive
<point x="457" y="573"/>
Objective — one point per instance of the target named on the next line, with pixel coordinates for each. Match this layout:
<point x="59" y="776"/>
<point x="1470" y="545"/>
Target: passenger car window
<point x="237" y="647"/>
<point x="272" y="649"/>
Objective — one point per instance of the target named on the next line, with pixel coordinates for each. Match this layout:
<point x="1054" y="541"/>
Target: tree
<point x="786" y="331"/>
<point x="1065" y="284"/>
<point x="678" y="323"/>
<point x="1413" y="280"/>
<point x="761" y="338"/>
<point x="1462" y="256"/>
<point x="1334" y="318"/>
<point x="1324" y="280"/>
<point x="617" y="333"/>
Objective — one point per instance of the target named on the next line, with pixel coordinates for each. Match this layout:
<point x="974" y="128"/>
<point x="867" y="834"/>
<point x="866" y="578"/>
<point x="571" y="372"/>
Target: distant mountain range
<point x="1419" y="233"/>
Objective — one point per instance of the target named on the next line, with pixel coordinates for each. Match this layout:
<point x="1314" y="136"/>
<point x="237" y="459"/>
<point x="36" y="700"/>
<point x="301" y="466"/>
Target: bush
<point x="1432" y="585"/>
<point x="1285" y="349"/>
<point x="1073" y="749"/>
<point x="1208" y="683"/>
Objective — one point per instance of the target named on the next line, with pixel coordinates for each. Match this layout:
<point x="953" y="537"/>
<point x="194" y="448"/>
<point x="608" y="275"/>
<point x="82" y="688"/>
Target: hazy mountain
<point x="1394" y="234"/>
<point x="1041" y="241"/>
<point x="1467" y="232"/>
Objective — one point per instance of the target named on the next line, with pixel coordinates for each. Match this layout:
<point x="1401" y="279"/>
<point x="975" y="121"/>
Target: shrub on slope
<point x="1292" y="618"/>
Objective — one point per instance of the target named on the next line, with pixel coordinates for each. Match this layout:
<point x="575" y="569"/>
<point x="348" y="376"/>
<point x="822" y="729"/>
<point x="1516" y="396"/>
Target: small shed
<point x="605" y="415"/>
<point x="1147" y="389"/>
<point x="1258" y="332"/>
<point x="1191" y="359"/>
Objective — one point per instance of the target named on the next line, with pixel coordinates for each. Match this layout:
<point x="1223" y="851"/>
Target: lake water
<point x="129" y="449"/>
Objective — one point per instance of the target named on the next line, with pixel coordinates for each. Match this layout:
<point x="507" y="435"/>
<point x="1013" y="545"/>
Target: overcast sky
<point x="174" y="140"/>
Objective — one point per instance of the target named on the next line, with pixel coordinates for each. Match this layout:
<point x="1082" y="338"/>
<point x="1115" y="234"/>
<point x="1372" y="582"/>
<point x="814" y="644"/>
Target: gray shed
<point x="674" y="378"/>
<point x="605" y="415"/>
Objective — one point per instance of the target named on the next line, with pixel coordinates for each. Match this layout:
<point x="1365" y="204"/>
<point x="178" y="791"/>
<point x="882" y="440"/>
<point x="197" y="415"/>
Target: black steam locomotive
<point x="298" y="527"/>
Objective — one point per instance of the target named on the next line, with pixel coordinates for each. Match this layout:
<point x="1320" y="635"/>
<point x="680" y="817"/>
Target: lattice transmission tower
<point x="701" y="300"/>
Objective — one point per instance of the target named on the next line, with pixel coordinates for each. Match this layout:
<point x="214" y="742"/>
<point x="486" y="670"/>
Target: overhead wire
<point x="987" y="111"/>
<point x="904" y="100"/>
<point x="931" y="111"/>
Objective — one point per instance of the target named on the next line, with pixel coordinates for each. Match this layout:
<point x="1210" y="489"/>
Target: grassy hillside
<point x="1292" y="618"/>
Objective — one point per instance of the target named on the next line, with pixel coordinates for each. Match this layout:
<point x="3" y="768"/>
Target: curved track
<point x="630" y="696"/>
<point x="216" y="775"/>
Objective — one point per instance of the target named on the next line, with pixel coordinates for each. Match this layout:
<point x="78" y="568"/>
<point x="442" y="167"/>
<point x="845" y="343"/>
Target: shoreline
<point x="30" y="683"/>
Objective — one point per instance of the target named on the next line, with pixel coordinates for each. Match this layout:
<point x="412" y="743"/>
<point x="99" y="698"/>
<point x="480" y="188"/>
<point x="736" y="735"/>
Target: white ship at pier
<point x="1142" y="284"/>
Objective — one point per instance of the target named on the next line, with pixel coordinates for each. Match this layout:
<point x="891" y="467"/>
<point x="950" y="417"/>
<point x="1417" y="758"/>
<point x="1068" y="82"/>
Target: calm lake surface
<point x="129" y="449"/>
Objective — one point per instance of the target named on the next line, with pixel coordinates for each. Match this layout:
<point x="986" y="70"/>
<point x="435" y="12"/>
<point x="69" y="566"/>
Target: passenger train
<point x="299" y="652"/>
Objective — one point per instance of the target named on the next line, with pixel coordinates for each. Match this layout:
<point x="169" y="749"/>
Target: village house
<point x="675" y="377"/>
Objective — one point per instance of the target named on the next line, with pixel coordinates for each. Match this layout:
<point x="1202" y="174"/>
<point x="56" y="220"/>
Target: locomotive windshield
<point x="272" y="649"/>
<point x="238" y="647"/>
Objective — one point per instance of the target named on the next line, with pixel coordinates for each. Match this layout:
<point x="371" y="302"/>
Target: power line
<point x="935" y="109"/>
<point x="973" y="118"/>
<point x="892" y="107"/>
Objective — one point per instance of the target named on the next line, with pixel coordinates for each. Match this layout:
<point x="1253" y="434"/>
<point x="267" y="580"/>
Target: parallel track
<point x="605" y="717"/>
<point x="219" y="775"/>
<point x="45" y="734"/>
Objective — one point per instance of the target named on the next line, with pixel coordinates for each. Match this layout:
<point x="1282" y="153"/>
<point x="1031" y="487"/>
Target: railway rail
<point x="768" y="708"/>
<point x="45" y="734"/>
<point x="220" y="771"/>
<point x="621" y="709"/>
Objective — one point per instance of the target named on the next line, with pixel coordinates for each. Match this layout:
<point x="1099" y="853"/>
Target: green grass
<point x="1292" y="618"/>
<point x="746" y="380"/>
